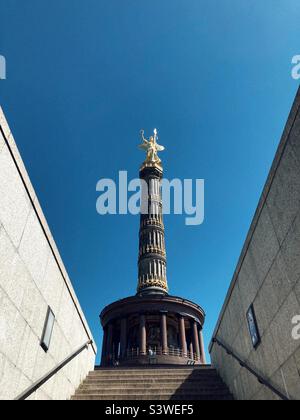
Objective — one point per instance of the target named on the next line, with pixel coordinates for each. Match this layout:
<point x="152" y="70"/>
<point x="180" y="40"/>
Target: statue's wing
<point x="160" y="148"/>
<point x="144" y="146"/>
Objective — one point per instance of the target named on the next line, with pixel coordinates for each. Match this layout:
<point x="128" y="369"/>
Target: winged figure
<point x="151" y="147"/>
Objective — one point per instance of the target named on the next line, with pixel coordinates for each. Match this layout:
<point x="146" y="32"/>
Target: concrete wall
<point x="268" y="275"/>
<point x="33" y="277"/>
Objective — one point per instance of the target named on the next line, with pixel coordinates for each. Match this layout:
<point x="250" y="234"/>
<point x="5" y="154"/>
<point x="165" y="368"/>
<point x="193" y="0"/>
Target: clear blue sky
<point x="84" y="76"/>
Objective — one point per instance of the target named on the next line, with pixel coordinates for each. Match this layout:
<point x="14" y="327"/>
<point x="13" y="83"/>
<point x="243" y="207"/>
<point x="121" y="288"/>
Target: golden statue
<point x="151" y="147"/>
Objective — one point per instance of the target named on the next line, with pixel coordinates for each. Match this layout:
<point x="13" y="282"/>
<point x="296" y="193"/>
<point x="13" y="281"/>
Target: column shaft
<point x="109" y="347"/>
<point x="203" y="357"/>
<point x="182" y="335"/>
<point x="191" y="350"/>
<point x="164" y="333"/>
<point x="143" y="335"/>
<point x="196" y="340"/>
<point x="104" y="348"/>
<point x="123" y="338"/>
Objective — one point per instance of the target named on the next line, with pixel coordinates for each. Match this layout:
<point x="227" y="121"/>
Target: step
<point x="152" y="375"/>
<point x="154" y="390"/>
<point x="156" y="368"/>
<point x="148" y="382"/>
<point x="198" y="374"/>
<point x="154" y="371"/>
<point x="134" y="384"/>
<point x="150" y="378"/>
<point x="155" y="397"/>
<point x="171" y="387"/>
<point x="153" y="383"/>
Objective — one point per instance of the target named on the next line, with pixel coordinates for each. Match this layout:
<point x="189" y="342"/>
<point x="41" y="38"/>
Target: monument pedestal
<point x="153" y="329"/>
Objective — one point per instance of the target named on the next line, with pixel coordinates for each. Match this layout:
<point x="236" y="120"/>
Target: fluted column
<point x="143" y="335"/>
<point x="196" y="340"/>
<point x="202" y="348"/>
<point x="123" y="337"/>
<point x="182" y="334"/>
<point x="164" y="333"/>
<point x="152" y="252"/>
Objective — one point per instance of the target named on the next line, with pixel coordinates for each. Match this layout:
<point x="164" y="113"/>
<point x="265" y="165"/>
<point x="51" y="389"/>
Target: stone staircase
<point x="153" y="383"/>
